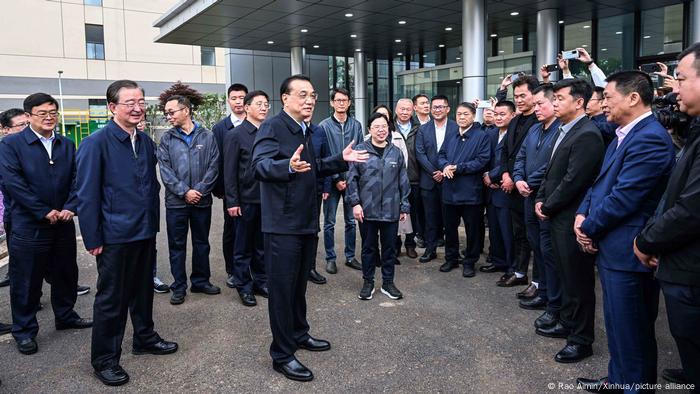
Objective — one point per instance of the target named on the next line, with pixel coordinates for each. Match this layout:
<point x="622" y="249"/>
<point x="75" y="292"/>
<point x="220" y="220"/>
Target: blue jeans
<point x="179" y="221"/>
<point x="330" y="207"/>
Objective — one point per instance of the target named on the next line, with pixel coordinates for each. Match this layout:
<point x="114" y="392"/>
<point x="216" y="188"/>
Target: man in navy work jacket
<point x="530" y="165"/>
<point x="463" y="157"/>
<point x="616" y="208"/>
<point x="285" y="164"/>
<point x="323" y="185"/>
<point x="38" y="173"/>
<point x="235" y="95"/>
<point x="429" y="140"/>
<point x="188" y="158"/>
<point x="119" y="216"/>
<point x="243" y="200"/>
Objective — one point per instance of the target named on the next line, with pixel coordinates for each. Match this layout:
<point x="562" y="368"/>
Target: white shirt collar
<point x="236" y="120"/>
<point x="624" y="130"/>
<point x="41" y="137"/>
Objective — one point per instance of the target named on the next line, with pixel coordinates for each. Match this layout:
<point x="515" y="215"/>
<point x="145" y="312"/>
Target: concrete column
<point x="361" y="88"/>
<point x="473" y="50"/>
<point x="296" y="57"/>
<point x="695" y="37"/>
<point x="547" y="39"/>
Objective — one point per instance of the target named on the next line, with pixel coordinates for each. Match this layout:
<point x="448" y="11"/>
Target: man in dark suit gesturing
<point x="285" y="164"/>
<point x="622" y="199"/>
<point x="576" y="157"/>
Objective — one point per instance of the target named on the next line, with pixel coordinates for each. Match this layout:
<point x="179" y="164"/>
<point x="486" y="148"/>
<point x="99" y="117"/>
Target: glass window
<point x="97" y="108"/>
<point x="509" y="45"/>
<point x="454" y="54"/>
<point x="430" y="59"/>
<point x="615" y="43"/>
<point x="93" y="2"/>
<point x="208" y="56"/>
<point x="94" y="42"/>
<point x="578" y="35"/>
<point x="662" y="31"/>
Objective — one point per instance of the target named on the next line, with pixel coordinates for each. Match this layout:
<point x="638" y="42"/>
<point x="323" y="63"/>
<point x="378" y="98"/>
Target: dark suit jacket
<point x="626" y="193"/>
<point x="220" y="130"/>
<point x="427" y="151"/>
<point x="35" y="184"/>
<point x="517" y="130"/>
<point x="570" y="172"/>
<point x="497" y="197"/>
<point x="288" y="200"/>
<point x="240" y="184"/>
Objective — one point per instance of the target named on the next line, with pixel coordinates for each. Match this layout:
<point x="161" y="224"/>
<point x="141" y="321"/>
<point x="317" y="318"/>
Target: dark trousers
<point x="228" y="239"/>
<point x="521" y="246"/>
<point x="330" y="207"/>
<point x="432" y="204"/>
<point x="630" y="307"/>
<point x="470" y="214"/>
<point x="549" y="274"/>
<point x="417" y="219"/>
<point x="179" y="221"/>
<point x="373" y="232"/>
<point x="500" y="237"/>
<point x="288" y="259"/>
<point x="35" y="255"/>
<point x="249" y="266"/>
<point x="683" y="309"/>
<point x="577" y="283"/>
<point x="541" y="243"/>
<point x="124" y="283"/>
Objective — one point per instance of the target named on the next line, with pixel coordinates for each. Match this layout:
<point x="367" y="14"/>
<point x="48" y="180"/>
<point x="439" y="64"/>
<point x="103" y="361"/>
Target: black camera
<point x="668" y="113"/>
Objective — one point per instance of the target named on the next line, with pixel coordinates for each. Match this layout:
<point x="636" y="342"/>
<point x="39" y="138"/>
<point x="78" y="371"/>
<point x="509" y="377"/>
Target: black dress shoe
<point x="537" y="303"/>
<point x="573" y="353"/>
<point x="315" y="277"/>
<point x="428" y="256"/>
<point x="468" y="271"/>
<point x="5" y="328"/>
<point x="449" y="266"/>
<point x="504" y="278"/>
<point x="177" y="298"/>
<point x="77" y="324"/>
<point x="27" y="346"/>
<point x="529" y="293"/>
<point x="555" y="331"/>
<point x="159" y="348"/>
<point x="248" y="299"/>
<point x="113" y="376"/>
<point x="546" y="320"/>
<point x="294" y="370"/>
<point x="491" y="268"/>
<point x="411" y="253"/>
<point x="331" y="267"/>
<point x="674" y="375"/>
<point x="262" y="292"/>
<point x="315" y="345"/>
<point x="231" y="281"/>
<point x="354" y="264"/>
<point x="208" y="289"/>
<point x="597" y="385"/>
<point x="5" y="280"/>
<point x="513" y="281"/>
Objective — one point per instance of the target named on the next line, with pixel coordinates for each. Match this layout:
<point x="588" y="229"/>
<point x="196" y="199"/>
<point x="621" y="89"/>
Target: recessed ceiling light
<point x="448" y="29"/>
<point x="501" y="51"/>
<point x="561" y="22"/>
<point x="397" y="40"/>
<point x="618" y="32"/>
<point x="358" y="50"/>
<point x="645" y="37"/>
<point x="586" y="26"/>
<point x="353" y="35"/>
<point x="316" y="46"/>
<point x="604" y="49"/>
<point x="514" y="13"/>
<point x="494" y="35"/>
<point x="458" y="58"/>
<point x="399" y="54"/>
<point x="425" y="56"/>
<point x="270" y="42"/>
<point x="402" y="22"/>
<point x="349" y="15"/>
<point x="584" y="46"/>
<point x="519" y="38"/>
<point x="441" y="46"/>
<point x="304" y="30"/>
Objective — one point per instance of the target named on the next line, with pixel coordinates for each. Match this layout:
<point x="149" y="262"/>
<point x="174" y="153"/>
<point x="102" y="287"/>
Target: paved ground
<point x="448" y="334"/>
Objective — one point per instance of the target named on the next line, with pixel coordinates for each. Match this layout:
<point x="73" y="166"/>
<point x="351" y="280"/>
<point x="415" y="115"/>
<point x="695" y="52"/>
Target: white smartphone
<point x="569" y="55"/>
<point x="486" y="103"/>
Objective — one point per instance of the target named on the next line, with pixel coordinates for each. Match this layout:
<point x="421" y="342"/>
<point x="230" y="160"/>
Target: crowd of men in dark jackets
<point x="575" y="176"/>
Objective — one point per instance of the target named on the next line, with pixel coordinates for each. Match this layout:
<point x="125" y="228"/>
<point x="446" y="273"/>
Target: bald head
<point x="404" y="110"/>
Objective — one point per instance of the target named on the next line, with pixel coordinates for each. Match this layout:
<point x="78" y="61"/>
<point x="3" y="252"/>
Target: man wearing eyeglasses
<point x="287" y="168"/>
<point x="38" y="173"/>
<point x="341" y="129"/>
<point x="243" y="201"/>
<point x="119" y="209"/>
<point x="188" y="158"/>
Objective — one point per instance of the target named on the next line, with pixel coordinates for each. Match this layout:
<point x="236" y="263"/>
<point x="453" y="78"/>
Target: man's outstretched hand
<point x="295" y="162"/>
<point x="357" y="156"/>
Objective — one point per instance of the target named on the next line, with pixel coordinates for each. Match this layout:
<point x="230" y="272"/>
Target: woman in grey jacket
<point x="378" y="192"/>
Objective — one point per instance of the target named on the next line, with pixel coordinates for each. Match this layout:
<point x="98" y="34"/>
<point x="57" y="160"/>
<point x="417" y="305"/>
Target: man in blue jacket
<point x="235" y="95"/>
<point x="119" y="210"/>
<point x="188" y="158"/>
<point x="429" y="140"/>
<point x="616" y="208"/>
<point x="530" y="166"/>
<point x="463" y="157"/>
<point x="287" y="169"/>
<point x="38" y="173"/>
